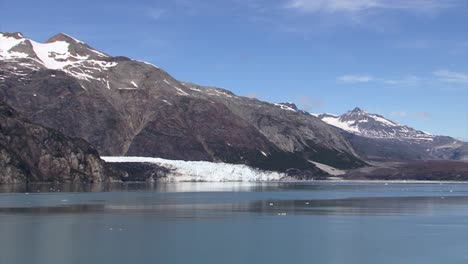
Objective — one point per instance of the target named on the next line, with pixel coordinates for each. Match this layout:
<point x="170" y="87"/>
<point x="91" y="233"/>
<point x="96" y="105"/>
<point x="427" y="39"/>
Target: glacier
<point x="204" y="171"/>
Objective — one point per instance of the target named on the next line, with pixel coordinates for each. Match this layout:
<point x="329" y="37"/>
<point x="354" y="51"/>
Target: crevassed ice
<point x="182" y="171"/>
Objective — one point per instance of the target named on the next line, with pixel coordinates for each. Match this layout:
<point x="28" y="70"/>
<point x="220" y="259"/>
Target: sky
<point x="404" y="59"/>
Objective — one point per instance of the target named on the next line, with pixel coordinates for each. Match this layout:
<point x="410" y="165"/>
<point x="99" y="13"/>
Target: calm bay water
<point x="319" y="222"/>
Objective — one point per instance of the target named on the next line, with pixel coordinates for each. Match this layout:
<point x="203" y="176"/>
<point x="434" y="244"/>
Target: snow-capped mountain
<point x="60" y="52"/>
<point x="370" y="125"/>
<point x="377" y="137"/>
<point x="128" y="107"/>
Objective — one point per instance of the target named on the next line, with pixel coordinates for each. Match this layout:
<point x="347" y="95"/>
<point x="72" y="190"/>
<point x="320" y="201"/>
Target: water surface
<point x="318" y="222"/>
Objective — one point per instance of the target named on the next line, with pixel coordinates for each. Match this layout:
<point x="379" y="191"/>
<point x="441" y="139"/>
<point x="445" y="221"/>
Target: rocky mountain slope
<point x="127" y="107"/>
<point x="32" y="153"/>
<point x="377" y="137"/>
<point x="425" y="170"/>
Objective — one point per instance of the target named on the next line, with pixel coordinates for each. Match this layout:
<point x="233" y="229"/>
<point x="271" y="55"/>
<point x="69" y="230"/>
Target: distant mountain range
<point x="376" y="137"/>
<point x="125" y="107"/>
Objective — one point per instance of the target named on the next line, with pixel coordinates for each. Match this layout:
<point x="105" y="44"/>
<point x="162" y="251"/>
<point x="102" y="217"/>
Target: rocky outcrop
<point x="141" y="172"/>
<point x="33" y="153"/>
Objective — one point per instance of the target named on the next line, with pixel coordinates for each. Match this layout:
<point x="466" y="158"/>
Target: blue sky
<point x="407" y="60"/>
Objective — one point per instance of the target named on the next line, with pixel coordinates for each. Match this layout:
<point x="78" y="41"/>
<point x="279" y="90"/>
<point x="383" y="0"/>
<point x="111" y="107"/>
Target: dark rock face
<point x="306" y="175"/>
<point x="32" y="153"/>
<point x="141" y="172"/>
<point x="289" y="129"/>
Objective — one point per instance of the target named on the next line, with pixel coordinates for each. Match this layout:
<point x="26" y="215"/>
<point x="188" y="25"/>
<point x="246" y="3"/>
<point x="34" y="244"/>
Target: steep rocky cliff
<point x="33" y="153"/>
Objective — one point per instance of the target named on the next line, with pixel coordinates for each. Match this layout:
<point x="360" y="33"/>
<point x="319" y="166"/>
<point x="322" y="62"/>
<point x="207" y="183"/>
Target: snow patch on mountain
<point x="287" y="106"/>
<point x="346" y="125"/>
<point x="7" y="43"/>
<point x="56" y="54"/>
<point x="189" y="171"/>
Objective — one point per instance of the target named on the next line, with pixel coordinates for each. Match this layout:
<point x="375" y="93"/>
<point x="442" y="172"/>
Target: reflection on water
<point x="350" y="206"/>
<point x="321" y="222"/>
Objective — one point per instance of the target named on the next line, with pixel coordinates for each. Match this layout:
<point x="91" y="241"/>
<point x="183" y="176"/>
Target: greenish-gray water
<point x="316" y="222"/>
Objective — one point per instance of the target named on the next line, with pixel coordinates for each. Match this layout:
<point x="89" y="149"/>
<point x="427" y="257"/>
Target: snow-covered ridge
<point x="7" y="43"/>
<point x="189" y="171"/>
<point x="370" y="125"/>
<point x="63" y="53"/>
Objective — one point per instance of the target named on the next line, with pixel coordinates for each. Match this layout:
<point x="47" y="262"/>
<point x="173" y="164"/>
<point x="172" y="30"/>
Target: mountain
<point x="377" y="137"/>
<point x="32" y="153"/>
<point x="128" y="107"/>
<point x="369" y="125"/>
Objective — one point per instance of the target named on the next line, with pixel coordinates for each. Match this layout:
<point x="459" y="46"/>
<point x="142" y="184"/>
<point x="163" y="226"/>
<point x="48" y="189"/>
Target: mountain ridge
<point x="127" y="107"/>
<point x="375" y="136"/>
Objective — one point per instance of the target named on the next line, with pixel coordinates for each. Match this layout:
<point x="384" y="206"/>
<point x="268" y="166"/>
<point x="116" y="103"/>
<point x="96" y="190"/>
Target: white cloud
<point x="332" y="6"/>
<point x="355" y="78"/>
<point x="406" y="81"/>
<point x="452" y="77"/>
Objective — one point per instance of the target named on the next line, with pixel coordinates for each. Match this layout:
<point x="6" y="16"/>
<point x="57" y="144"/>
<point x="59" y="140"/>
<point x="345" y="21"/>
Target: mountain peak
<point x="357" y="110"/>
<point x="15" y="35"/>
<point x="63" y="37"/>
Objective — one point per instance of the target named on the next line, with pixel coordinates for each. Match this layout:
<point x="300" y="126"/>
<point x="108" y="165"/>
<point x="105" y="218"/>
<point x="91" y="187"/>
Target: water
<point x="235" y="223"/>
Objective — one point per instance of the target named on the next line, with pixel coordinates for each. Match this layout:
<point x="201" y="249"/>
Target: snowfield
<point x="204" y="171"/>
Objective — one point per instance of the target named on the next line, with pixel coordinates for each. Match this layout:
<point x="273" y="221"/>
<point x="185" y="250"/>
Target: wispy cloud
<point x="355" y="6"/>
<point x="359" y="78"/>
<point x="451" y="76"/>
<point x="155" y="13"/>
<point x="402" y="114"/>
<point x="399" y="113"/>
<point x="308" y="103"/>
<point x="410" y="80"/>
<point x="437" y="78"/>
<point x="367" y="14"/>
<point x="423" y="115"/>
<point x="354" y="78"/>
